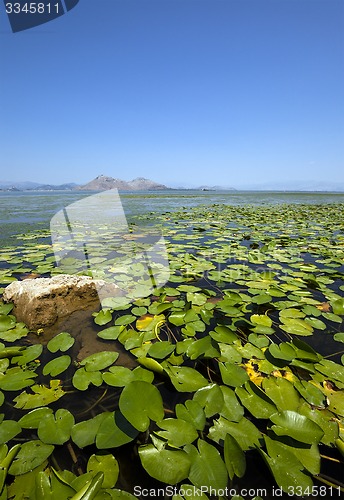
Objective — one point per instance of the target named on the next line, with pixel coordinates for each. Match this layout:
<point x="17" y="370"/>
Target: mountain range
<point x="103" y="183"/>
<point x="100" y="183"/>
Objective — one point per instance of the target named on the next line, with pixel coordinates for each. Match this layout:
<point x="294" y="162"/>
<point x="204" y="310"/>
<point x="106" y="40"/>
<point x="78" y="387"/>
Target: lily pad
<point x="57" y="365"/>
<point x="56" y="429"/>
<point x="141" y="402"/>
<point x="299" y="427"/>
<point x="61" y="342"/>
<point x="99" y="361"/>
<point x="31" y="455"/>
<point x="167" y="466"/>
<point x="207" y="467"/>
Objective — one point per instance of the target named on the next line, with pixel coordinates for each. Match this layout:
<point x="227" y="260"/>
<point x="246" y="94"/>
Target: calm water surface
<point x="28" y="211"/>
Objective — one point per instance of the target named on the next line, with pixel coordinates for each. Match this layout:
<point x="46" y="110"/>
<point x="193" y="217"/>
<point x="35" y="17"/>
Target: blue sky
<point x="185" y="92"/>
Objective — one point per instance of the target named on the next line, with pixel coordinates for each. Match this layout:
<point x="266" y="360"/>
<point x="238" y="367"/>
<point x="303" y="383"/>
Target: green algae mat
<point x="236" y="365"/>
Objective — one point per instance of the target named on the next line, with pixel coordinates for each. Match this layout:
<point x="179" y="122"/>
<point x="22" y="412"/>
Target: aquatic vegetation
<point x="238" y="359"/>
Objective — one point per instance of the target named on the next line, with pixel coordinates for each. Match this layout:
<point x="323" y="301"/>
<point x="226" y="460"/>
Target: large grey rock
<point x="41" y="302"/>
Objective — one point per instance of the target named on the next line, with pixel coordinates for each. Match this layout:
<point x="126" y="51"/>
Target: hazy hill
<point x="103" y="183"/>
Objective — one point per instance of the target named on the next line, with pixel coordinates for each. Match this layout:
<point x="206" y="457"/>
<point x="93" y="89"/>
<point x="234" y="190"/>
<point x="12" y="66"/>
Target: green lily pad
<point x="19" y="331"/>
<point x="31" y="353"/>
<point x="57" y="365"/>
<point x="8" y="430"/>
<point x="84" y="433"/>
<point x="61" y="342"/>
<point x="56" y="429"/>
<point x="245" y="432"/>
<point x="32" y="419"/>
<point x="141" y="402"/>
<point x="106" y="464"/>
<point x="103" y="317"/>
<point x="292" y="424"/>
<point x="233" y="375"/>
<point x="191" y="412"/>
<point x="285" y="467"/>
<point x="114" y="431"/>
<point x="177" y="432"/>
<point x="207" y="467"/>
<point x="16" y="379"/>
<point x="99" y="361"/>
<point x="338" y="306"/>
<point x="255" y="400"/>
<point x="234" y="458"/>
<point x="31" y="455"/>
<point x="6" y="322"/>
<point x="186" y="379"/>
<point x="167" y="466"/>
<point x="161" y="350"/>
<point x="282" y="393"/>
<point x="210" y="398"/>
<point x="82" y="379"/>
<point x="120" y="376"/>
<point x="42" y="395"/>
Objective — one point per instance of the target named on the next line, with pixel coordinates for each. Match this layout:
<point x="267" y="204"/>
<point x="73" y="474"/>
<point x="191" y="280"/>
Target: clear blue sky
<point x="185" y="92"/>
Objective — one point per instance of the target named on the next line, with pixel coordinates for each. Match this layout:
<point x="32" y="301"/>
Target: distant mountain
<point x="216" y="188"/>
<point x="35" y="186"/>
<point x="103" y="183"/>
<point x="13" y="185"/>
<point x="59" y="187"/>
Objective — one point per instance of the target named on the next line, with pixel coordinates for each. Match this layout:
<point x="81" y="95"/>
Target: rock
<point x="40" y="302"/>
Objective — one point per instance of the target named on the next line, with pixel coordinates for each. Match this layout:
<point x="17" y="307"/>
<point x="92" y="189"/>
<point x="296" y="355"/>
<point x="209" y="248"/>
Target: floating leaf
<point x="31" y="455"/>
<point x="161" y="350"/>
<point x="32" y="419"/>
<point x="56" y="429"/>
<point x="103" y="317"/>
<point x="120" y="376"/>
<point x="233" y="375"/>
<point x="31" y="353"/>
<point x="167" y="466"/>
<point x="285" y="467"/>
<point x="99" y="361"/>
<point x="255" y="400"/>
<point x="186" y="379"/>
<point x="57" y="366"/>
<point x="338" y="306"/>
<point x="108" y="465"/>
<point x="6" y="322"/>
<point x="82" y="379"/>
<point x="42" y="395"/>
<point x="114" y="431"/>
<point x="234" y="458"/>
<point x="16" y="379"/>
<point x="210" y="398"/>
<point x="261" y="319"/>
<point x="282" y="393"/>
<point x="61" y="342"/>
<point x="19" y="331"/>
<point x="141" y="402"/>
<point x="207" y="467"/>
<point x="299" y="427"/>
<point x="8" y="430"/>
<point x="191" y="412"/>
<point x="177" y="432"/>
<point x="245" y="432"/>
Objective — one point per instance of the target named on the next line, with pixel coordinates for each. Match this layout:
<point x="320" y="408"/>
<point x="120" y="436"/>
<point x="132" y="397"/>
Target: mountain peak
<point x="104" y="182"/>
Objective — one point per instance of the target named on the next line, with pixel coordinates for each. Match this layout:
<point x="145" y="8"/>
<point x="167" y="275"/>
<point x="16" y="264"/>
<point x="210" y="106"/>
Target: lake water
<point x="28" y="211"/>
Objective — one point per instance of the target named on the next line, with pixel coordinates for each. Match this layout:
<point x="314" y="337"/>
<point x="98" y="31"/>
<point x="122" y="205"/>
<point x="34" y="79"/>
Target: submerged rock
<point x="41" y="302"/>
